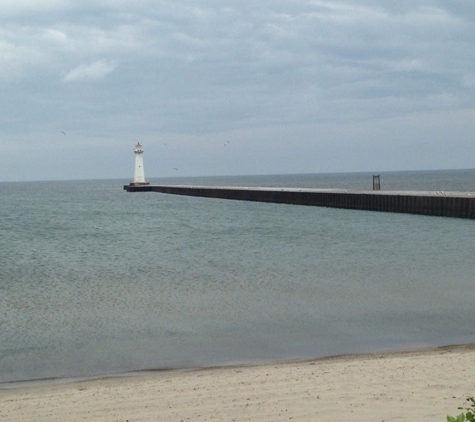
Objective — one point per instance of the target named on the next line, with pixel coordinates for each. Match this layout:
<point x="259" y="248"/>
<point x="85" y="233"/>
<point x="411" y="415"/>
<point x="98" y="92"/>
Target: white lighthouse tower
<point x="139" y="175"/>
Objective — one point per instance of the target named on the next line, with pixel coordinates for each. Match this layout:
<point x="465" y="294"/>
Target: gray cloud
<point x="304" y="75"/>
<point x="93" y="71"/>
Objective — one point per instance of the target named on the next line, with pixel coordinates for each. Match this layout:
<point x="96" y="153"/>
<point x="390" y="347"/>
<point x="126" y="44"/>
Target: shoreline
<point x="39" y="382"/>
<point x="423" y="384"/>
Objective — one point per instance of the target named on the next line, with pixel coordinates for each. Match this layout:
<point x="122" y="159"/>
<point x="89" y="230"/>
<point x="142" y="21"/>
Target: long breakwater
<point x="435" y="203"/>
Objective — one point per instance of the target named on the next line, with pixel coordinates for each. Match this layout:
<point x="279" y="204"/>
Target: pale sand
<point x="410" y="386"/>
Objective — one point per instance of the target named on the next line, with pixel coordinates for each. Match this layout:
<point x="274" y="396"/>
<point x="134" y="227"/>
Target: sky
<point x="233" y="88"/>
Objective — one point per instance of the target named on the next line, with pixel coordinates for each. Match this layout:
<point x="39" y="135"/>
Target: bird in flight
<point x="63" y="133"/>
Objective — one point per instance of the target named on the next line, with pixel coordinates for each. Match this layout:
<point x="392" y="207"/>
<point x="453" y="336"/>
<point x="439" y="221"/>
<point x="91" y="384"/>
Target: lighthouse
<point x="139" y="175"/>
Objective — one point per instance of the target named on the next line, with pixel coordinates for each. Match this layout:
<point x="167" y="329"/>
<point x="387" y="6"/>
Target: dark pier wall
<point x="425" y="203"/>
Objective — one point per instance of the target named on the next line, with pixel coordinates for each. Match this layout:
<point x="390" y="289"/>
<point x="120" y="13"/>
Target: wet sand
<point x="422" y="385"/>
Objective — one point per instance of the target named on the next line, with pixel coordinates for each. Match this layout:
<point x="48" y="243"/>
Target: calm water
<point x="95" y="281"/>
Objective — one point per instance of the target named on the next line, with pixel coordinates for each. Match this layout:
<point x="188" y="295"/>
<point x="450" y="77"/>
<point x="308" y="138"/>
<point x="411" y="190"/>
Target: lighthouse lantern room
<point x="139" y="175"/>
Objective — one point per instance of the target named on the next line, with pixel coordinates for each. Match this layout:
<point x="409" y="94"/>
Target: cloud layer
<point x="93" y="71"/>
<point x="297" y="82"/>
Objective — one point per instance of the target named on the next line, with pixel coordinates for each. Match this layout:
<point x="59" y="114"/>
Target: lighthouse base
<point x="138" y="188"/>
<point x="139" y="183"/>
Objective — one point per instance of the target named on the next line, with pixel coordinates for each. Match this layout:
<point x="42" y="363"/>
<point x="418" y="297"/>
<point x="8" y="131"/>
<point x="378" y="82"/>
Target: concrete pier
<point x="436" y="203"/>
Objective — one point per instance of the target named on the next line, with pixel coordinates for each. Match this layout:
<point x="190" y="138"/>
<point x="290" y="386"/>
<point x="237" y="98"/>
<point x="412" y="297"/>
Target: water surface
<point x="95" y="281"/>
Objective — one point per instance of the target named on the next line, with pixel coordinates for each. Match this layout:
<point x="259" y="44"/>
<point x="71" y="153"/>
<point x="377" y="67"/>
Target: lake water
<point x="97" y="281"/>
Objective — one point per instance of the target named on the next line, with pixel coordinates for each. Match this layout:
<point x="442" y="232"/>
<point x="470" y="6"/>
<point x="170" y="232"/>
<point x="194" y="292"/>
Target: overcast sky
<point x="241" y="87"/>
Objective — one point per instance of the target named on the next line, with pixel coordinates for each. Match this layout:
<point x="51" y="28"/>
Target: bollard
<point x="376" y="182"/>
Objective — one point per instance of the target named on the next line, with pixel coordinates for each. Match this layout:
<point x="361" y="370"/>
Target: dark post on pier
<point x="376" y="182"/>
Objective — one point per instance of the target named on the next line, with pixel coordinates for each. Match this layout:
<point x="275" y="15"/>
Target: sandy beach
<point x="422" y="385"/>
